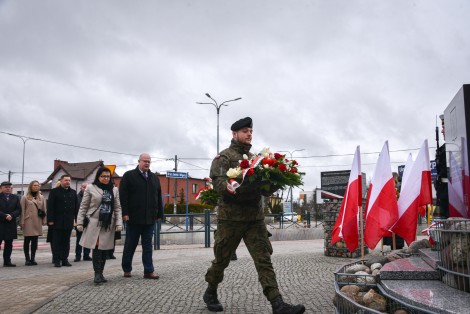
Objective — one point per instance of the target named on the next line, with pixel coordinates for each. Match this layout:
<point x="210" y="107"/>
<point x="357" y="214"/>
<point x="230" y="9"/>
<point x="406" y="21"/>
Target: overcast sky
<point x="323" y="76"/>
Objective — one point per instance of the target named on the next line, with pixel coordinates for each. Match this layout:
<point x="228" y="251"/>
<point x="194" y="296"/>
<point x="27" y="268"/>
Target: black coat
<point x="141" y="199"/>
<point x="11" y="207"/>
<point x="61" y="207"/>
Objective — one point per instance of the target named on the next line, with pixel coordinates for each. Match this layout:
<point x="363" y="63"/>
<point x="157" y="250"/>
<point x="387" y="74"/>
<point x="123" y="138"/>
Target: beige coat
<point x="90" y="207"/>
<point x="30" y="221"/>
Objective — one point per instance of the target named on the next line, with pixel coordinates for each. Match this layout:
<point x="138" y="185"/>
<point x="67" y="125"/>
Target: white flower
<point x="234" y="172"/>
<point x="266" y="166"/>
<point x="245" y="156"/>
<point x="265" y="152"/>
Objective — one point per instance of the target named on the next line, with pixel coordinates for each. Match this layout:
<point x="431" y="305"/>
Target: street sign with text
<point x="176" y="175"/>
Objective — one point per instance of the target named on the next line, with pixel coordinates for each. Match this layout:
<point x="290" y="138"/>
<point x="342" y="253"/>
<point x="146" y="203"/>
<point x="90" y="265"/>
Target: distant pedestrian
<point x="102" y="209"/>
<point x="9" y="210"/>
<point x="78" y="247"/>
<point x="141" y="201"/>
<point x="62" y="204"/>
<point x="33" y="217"/>
<point x="240" y="216"/>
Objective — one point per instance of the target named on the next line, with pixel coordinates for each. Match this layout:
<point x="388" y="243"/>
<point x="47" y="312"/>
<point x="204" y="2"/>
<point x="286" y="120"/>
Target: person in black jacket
<point x="78" y="247"/>
<point x="62" y="205"/>
<point x="141" y="201"/>
<point x="10" y="209"/>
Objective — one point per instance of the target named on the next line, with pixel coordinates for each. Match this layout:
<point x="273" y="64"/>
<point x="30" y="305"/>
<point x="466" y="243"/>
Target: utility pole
<point x="9" y="175"/>
<point x="176" y="185"/>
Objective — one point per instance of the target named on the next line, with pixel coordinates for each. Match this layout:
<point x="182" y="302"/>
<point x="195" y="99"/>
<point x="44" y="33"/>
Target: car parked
<point x="290" y="217"/>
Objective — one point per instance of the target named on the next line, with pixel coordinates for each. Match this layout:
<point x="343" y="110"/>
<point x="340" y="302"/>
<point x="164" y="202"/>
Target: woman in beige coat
<point x="33" y="217"/>
<point x="102" y="208"/>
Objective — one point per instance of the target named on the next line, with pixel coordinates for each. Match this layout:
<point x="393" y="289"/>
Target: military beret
<point x="5" y="183"/>
<point x="242" y="123"/>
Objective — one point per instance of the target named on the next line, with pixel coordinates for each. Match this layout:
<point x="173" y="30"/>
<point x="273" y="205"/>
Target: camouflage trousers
<point x="255" y="235"/>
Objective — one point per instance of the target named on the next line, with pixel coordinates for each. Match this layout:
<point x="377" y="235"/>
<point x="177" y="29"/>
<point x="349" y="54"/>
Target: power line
<point x="77" y="146"/>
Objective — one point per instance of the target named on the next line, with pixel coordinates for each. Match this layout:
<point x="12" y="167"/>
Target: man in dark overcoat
<point x="141" y="201"/>
<point x="61" y="210"/>
<point x="240" y="216"/>
<point x="10" y="209"/>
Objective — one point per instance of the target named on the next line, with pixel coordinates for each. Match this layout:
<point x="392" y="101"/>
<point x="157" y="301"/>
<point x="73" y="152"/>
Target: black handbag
<point x="41" y="213"/>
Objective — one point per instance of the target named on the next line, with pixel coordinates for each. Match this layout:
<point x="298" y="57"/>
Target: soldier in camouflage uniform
<point x="240" y="216"/>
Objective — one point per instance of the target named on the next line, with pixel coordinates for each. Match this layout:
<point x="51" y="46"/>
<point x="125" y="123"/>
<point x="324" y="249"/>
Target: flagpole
<point x="361" y="224"/>
<point x="394" y="242"/>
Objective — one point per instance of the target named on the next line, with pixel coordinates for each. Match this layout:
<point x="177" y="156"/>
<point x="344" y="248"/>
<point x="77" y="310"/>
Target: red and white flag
<point x="346" y="225"/>
<point x="414" y="194"/>
<point x="382" y="210"/>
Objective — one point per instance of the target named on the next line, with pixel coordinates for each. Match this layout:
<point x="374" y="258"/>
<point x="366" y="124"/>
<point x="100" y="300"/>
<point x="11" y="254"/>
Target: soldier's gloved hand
<point x="118" y="228"/>
<point x="80" y="228"/>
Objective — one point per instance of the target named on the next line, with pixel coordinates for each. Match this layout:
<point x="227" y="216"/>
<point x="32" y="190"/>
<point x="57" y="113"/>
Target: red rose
<point x="282" y="167"/>
<point x="278" y="156"/>
<point x="250" y="172"/>
<point x="244" y="164"/>
<point x="294" y="162"/>
<point x="293" y="170"/>
<point x="269" y="161"/>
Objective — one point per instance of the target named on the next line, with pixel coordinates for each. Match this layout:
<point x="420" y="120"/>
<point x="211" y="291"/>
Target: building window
<point x="194" y="188"/>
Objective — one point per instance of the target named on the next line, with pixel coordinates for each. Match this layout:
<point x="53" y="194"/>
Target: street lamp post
<point x="217" y="107"/>
<point x="24" y="139"/>
<point x="290" y="188"/>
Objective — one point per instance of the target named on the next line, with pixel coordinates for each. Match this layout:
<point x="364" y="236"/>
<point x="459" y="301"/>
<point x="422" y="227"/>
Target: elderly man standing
<point x="240" y="216"/>
<point x="61" y="209"/>
<point x="9" y="209"/>
<point x="141" y="202"/>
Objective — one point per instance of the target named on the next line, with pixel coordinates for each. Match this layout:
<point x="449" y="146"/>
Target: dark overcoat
<point x="141" y="199"/>
<point x="11" y="207"/>
<point x="61" y="207"/>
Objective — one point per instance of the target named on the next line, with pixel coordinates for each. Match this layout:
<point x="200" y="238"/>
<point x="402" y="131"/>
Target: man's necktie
<point x="8" y="197"/>
<point x="146" y="176"/>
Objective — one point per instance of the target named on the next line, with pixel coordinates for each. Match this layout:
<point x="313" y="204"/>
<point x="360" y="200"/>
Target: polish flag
<point x="382" y="210"/>
<point x="346" y="225"/>
<point x="414" y="194"/>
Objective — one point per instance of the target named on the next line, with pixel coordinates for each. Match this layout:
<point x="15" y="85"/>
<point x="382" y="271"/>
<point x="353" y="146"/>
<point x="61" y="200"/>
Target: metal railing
<point x="207" y="222"/>
<point x="452" y="241"/>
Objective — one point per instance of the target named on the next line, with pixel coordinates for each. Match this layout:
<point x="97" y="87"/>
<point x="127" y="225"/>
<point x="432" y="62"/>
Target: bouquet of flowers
<point x="208" y="195"/>
<point x="271" y="168"/>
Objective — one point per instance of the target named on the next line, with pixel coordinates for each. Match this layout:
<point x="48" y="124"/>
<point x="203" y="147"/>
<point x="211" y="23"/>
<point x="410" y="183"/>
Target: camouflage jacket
<point x="245" y="205"/>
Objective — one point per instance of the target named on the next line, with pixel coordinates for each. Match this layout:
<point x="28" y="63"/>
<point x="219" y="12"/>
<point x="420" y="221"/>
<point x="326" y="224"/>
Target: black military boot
<point x="210" y="298"/>
<point x="280" y="307"/>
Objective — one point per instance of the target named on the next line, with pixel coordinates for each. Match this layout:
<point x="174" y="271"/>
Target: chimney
<point x="58" y="162"/>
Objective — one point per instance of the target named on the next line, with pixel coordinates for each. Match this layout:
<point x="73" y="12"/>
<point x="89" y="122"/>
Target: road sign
<point x="176" y="175"/>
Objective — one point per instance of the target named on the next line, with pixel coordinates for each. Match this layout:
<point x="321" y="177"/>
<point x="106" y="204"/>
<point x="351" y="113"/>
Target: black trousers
<point x="60" y="244"/>
<point x="7" y="249"/>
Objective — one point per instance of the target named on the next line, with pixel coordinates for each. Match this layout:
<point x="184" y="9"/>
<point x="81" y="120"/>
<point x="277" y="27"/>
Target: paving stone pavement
<point x="304" y="274"/>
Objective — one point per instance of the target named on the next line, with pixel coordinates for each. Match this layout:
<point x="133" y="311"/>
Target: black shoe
<point x="66" y="263"/>
<point x="33" y="262"/>
<point x="8" y="264"/>
<point x="57" y="264"/>
<point x="103" y="279"/>
<point x="98" y="278"/>
<point x="28" y="263"/>
<point x="87" y="258"/>
<point x="234" y="257"/>
<point x="210" y="298"/>
<point x="77" y="259"/>
<point x="112" y="257"/>
<point x="280" y="307"/>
